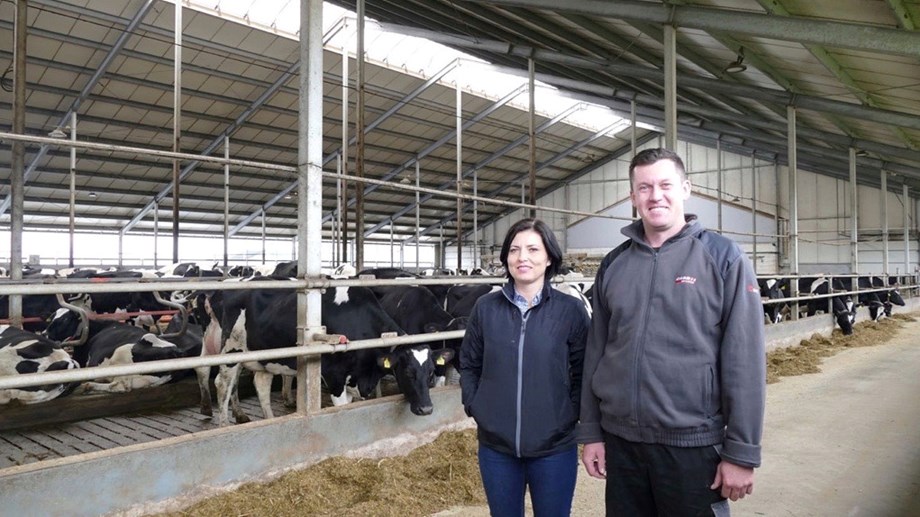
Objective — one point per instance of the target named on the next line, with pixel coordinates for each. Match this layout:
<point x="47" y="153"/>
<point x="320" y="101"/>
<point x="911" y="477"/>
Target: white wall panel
<point x="823" y="208"/>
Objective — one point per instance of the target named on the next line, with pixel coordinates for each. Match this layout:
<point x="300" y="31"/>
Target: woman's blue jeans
<point x="551" y="480"/>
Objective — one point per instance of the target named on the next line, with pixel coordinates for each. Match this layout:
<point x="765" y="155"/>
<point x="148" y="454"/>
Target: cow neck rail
<point x="311" y="349"/>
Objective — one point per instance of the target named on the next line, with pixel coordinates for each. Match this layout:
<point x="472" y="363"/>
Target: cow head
<point x="844" y="313"/>
<point x="413" y="368"/>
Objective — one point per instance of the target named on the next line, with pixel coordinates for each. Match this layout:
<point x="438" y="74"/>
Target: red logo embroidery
<point x="751" y="288"/>
<point x="685" y="280"/>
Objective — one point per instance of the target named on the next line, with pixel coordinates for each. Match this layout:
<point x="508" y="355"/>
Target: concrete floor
<point x="843" y="442"/>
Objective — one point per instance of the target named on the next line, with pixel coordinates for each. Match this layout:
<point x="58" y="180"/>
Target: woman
<point x="520" y="372"/>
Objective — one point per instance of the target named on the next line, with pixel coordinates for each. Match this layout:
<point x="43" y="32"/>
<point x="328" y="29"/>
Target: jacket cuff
<point x="589" y="432"/>
<point x="743" y="454"/>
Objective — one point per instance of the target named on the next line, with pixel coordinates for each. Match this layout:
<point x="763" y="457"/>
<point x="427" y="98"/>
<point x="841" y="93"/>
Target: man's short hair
<point x="650" y="156"/>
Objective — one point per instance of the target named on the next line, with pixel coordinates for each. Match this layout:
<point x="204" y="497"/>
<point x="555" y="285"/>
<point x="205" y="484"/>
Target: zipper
<point x="640" y="342"/>
<point x="520" y="384"/>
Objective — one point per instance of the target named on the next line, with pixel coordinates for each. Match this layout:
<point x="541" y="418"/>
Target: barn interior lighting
<point x="57" y="133"/>
<point x="92" y="195"/>
<point x="861" y="152"/>
<point x="736" y="66"/>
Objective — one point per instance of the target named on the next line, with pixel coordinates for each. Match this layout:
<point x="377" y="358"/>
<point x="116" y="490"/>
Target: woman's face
<point x="527" y="258"/>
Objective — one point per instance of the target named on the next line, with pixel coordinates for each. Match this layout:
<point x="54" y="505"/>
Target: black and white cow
<point x="843" y="307"/>
<point x="460" y="299"/>
<point x="23" y="352"/>
<point x="260" y="319"/>
<point x="112" y="343"/>
<point x="416" y="310"/>
<point x="772" y="289"/>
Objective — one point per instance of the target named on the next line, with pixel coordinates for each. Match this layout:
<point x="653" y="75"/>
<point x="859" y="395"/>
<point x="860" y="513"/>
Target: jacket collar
<point x="508" y="291"/>
<point x="636" y="231"/>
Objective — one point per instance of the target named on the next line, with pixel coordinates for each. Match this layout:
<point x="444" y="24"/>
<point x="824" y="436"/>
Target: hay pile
<point x="433" y="477"/>
<point x="806" y="358"/>
<point x="445" y="473"/>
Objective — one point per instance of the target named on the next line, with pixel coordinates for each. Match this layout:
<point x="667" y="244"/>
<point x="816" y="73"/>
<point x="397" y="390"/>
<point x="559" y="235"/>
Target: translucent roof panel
<point x="408" y="54"/>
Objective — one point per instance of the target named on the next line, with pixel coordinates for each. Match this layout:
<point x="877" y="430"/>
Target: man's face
<point x="658" y="193"/>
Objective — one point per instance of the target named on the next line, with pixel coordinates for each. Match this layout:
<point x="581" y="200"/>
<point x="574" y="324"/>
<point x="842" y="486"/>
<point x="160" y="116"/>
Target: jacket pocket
<point x="708" y="389"/>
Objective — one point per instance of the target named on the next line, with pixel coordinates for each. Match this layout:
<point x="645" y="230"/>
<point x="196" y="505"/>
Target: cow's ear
<point x="433" y="327"/>
<point x="385" y="362"/>
<point x="443" y="356"/>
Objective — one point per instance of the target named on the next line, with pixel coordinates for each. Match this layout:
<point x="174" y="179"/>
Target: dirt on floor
<point x="444" y="474"/>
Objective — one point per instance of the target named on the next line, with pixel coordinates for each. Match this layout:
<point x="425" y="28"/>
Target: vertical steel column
<point x="337" y="220"/>
<point x="226" y="200"/>
<point x="156" y="232"/>
<point x="263" y="234"/>
<point x="793" y="191"/>
<point x="417" y="215"/>
<point x="392" y="250"/>
<point x="459" y="122"/>
<point x="476" y="220"/>
<point x="632" y="125"/>
<point x="359" y="133"/>
<point x="73" y="185"/>
<point x="884" y="200"/>
<point x="905" y="222"/>
<point x="632" y="146"/>
<point x="177" y="125"/>
<point x="719" y="182"/>
<point x="342" y="185"/>
<point x="17" y="180"/>
<point x="309" y="197"/>
<point x="533" y="137"/>
<point x="670" y="87"/>
<point x="854" y="215"/>
<point x="754" y="209"/>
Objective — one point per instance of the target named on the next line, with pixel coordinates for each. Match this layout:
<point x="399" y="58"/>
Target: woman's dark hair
<point x="549" y="243"/>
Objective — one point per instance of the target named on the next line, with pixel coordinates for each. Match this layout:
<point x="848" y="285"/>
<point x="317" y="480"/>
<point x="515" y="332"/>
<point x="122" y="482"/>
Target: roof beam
<point x="798" y="29"/>
<point x="836" y="69"/>
<point x="84" y="93"/>
<point x="783" y="98"/>
<point x="483" y="163"/>
<point x="351" y="141"/>
<point x="520" y="177"/>
<point x="903" y="14"/>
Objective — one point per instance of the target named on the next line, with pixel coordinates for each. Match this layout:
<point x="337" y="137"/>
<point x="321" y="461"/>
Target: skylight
<point x="410" y="54"/>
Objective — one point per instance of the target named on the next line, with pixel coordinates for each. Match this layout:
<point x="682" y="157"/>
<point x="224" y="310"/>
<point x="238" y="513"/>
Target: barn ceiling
<point x="851" y="69"/>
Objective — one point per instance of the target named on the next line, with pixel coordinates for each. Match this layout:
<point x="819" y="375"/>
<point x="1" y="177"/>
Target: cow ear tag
<point x="386" y="363"/>
<point x="440" y="361"/>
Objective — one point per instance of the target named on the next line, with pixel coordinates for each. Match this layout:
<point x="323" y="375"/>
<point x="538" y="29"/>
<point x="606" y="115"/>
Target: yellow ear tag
<point x="386" y="363"/>
<point x="440" y="361"/>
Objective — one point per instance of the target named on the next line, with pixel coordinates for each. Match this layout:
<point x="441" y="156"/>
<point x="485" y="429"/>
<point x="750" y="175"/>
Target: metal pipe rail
<point x="97" y="372"/>
<point x="70" y="286"/>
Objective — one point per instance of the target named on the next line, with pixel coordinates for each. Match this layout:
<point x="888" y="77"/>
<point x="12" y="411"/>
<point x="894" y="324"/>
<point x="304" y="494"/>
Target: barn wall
<point x="823" y="208"/>
<point x="192" y="466"/>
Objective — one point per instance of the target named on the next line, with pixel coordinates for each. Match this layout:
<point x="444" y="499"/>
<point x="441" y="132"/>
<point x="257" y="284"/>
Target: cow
<point x="883" y="298"/>
<point x="259" y="319"/>
<point x="133" y="302"/>
<point x="772" y="289"/>
<point x="416" y="310"/>
<point x="460" y="299"/>
<point x="23" y="352"/>
<point x="390" y="273"/>
<point x="112" y="343"/>
<point x="842" y="307"/>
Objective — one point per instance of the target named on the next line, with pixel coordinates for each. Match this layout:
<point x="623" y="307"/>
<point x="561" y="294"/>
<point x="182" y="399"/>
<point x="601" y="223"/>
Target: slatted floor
<point x="21" y="447"/>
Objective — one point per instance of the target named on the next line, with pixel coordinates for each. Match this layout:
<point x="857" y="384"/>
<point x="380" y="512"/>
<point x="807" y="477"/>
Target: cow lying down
<point x="112" y="343"/>
<point x="23" y="352"/>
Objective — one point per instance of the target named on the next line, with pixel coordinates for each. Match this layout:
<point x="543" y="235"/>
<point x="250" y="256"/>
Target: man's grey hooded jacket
<point x="675" y="355"/>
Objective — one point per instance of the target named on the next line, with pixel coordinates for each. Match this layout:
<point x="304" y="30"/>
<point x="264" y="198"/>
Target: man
<point x="675" y="372"/>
